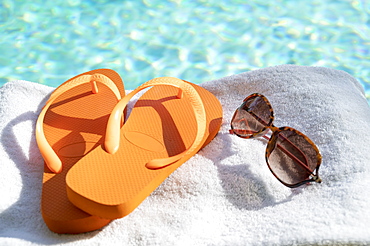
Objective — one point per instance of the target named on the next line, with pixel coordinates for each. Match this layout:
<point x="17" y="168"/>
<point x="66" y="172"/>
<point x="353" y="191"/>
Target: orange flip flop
<point x="168" y="124"/>
<point x="71" y="124"/>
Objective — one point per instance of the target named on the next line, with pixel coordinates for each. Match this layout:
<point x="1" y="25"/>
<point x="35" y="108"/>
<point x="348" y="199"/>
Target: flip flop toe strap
<point x="52" y="160"/>
<point x="112" y="138"/>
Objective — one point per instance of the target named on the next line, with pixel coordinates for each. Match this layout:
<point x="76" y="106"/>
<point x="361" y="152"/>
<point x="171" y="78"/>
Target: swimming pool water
<point x="197" y="40"/>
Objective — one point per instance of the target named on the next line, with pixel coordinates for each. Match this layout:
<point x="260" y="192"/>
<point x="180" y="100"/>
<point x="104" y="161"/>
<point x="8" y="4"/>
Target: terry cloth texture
<point x="224" y="195"/>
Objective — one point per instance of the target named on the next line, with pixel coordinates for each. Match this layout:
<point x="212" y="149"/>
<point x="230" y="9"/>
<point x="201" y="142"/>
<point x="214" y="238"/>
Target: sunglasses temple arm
<point x="290" y="154"/>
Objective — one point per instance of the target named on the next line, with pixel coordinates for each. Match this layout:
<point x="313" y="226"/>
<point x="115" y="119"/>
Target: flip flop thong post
<point x="168" y="124"/>
<point x="71" y="124"/>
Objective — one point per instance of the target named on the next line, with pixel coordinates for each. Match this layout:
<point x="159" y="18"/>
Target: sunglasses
<point x="290" y="155"/>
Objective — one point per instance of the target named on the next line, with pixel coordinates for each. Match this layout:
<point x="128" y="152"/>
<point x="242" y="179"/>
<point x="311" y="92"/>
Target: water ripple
<point x="49" y="41"/>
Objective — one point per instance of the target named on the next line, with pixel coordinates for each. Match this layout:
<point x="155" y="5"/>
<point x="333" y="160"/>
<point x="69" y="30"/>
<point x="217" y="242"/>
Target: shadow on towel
<point x="243" y="189"/>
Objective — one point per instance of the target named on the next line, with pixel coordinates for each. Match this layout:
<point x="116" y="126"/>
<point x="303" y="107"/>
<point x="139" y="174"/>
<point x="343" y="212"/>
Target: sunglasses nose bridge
<point x="273" y="128"/>
<point x="271" y="145"/>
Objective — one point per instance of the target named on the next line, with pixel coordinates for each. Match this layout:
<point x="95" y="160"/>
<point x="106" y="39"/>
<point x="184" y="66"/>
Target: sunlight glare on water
<point x="50" y="41"/>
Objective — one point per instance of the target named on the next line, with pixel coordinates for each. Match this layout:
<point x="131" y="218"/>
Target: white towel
<point x="224" y="195"/>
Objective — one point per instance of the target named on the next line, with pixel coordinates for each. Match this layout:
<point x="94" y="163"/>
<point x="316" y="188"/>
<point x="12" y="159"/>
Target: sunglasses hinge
<point x="316" y="179"/>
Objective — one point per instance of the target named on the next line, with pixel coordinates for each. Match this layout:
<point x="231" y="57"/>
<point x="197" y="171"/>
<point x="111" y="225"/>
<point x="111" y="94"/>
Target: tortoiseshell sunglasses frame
<point x="272" y="141"/>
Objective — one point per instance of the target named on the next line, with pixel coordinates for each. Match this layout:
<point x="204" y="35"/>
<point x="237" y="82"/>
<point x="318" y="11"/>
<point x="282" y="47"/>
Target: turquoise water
<point x="50" y="41"/>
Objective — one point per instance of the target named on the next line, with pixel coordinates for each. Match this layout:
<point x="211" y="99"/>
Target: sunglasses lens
<point x="293" y="159"/>
<point x="250" y="118"/>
